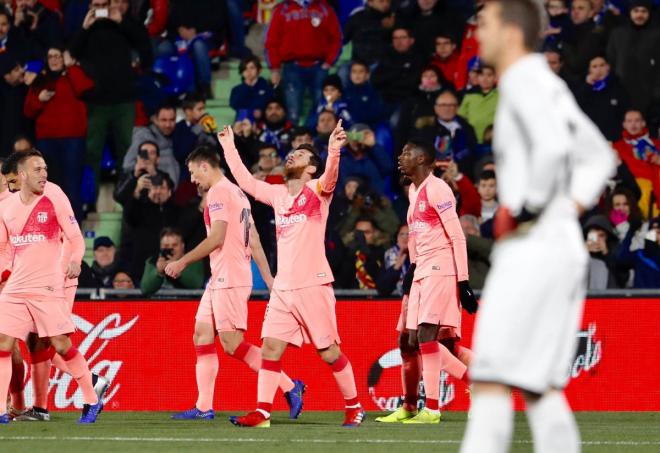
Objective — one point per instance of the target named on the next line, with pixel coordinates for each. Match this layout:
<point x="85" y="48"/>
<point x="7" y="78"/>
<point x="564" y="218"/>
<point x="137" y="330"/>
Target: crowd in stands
<point x="116" y="91"/>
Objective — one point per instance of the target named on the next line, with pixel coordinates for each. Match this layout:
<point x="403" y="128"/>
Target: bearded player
<point x="439" y="285"/>
<point x="552" y="165"/>
<point x="33" y="297"/>
<point x="231" y="242"/>
<point x="302" y="302"/>
<point x="42" y="354"/>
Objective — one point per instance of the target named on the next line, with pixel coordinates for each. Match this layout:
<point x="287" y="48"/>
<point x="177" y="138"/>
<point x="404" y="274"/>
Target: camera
<point x="157" y="179"/>
<point x="166" y="253"/>
<point x="102" y="13"/>
<point x="143" y="154"/>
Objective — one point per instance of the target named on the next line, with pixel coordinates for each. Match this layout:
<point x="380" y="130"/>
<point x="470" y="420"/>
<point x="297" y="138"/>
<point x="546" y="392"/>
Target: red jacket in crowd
<point x="639" y="162"/>
<point x="452" y="70"/>
<point x="303" y="35"/>
<point x="65" y="115"/>
<point x="469" y="49"/>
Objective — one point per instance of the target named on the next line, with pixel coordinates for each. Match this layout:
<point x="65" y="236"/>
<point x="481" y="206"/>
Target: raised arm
<point x="259" y="256"/>
<point x="260" y="190"/>
<point x="328" y="180"/>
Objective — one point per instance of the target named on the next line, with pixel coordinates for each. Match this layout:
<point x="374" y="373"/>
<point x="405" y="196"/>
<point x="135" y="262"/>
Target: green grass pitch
<point x="125" y="432"/>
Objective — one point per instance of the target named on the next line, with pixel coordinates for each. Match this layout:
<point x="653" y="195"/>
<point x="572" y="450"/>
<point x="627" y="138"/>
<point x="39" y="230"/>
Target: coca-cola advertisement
<point x="145" y="348"/>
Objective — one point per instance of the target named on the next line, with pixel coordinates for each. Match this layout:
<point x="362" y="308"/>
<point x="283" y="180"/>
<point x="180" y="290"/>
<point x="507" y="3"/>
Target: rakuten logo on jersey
<point x="26" y="239"/>
<point x="283" y="220"/>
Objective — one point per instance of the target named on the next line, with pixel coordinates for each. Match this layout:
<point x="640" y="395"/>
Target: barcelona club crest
<point x="42" y="217"/>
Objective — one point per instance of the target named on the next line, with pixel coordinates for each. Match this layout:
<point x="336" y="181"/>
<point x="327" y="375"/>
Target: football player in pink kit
<point x="42" y="354"/>
<point x="33" y="297"/>
<point x="440" y="283"/>
<point x="232" y="240"/>
<point x="302" y="303"/>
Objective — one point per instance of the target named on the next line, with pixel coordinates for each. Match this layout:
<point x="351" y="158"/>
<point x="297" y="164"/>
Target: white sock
<point x="553" y="425"/>
<point x="491" y="424"/>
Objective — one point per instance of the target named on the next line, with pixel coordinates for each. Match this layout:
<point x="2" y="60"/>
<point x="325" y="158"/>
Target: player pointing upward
<point x="302" y="302"/>
<point x="552" y="163"/>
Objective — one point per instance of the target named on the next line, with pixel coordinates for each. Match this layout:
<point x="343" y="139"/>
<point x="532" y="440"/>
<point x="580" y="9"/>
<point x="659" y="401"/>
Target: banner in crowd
<point x="145" y="348"/>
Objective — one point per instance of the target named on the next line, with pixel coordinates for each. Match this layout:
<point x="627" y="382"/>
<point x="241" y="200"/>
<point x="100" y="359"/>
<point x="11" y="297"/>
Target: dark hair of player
<point x="314" y="159"/>
<point x="204" y="153"/>
<point x="525" y="14"/>
<point x="425" y="147"/>
<point x="10" y="163"/>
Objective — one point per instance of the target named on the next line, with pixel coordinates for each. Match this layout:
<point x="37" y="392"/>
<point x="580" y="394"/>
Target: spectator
<point x="603" y="98"/>
<point x="40" y="27"/>
<point x="343" y="200"/>
<point x="585" y="41"/>
<point x="478" y="107"/>
<point x="303" y="41"/>
<point x="12" y="98"/>
<point x="194" y="28"/>
<point x="488" y="193"/>
<point x="152" y="13"/>
<point x="397" y="75"/>
<point x="452" y="136"/>
<point x="607" y="15"/>
<point x="104" y="47"/>
<point x="237" y="48"/>
<point x="252" y="94"/>
<point x="332" y="100"/>
<point x="467" y="196"/>
<point x="645" y="261"/>
<point x="326" y="123"/>
<point x="602" y="244"/>
<point x="363" y="157"/>
<point x="144" y="218"/>
<point x="560" y="27"/>
<point x="122" y="280"/>
<point x="60" y="115"/>
<point x="395" y="265"/>
<point x="12" y="39"/>
<point x="276" y="126"/>
<point x="446" y="59"/>
<point x="624" y="213"/>
<point x="301" y="136"/>
<point x="172" y="248"/>
<point x="479" y="249"/>
<point x="105" y="264"/>
<point x="378" y="208"/>
<point x="196" y="128"/>
<point x="634" y="53"/>
<point x="369" y="30"/>
<point x="246" y="137"/>
<point x="556" y="62"/>
<point x="428" y="17"/>
<point x="641" y="154"/>
<point x="364" y="102"/>
<point x="364" y="266"/>
<point x="160" y="131"/>
<point x="269" y="166"/>
<point x="22" y="144"/>
<point x="135" y="184"/>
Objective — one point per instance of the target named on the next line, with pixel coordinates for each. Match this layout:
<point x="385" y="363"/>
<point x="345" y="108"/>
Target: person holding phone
<point x="603" y="246"/>
<point x="172" y="248"/>
<point x="59" y="88"/>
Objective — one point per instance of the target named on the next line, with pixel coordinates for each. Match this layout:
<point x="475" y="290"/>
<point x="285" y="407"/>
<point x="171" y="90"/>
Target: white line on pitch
<point x="632" y="443"/>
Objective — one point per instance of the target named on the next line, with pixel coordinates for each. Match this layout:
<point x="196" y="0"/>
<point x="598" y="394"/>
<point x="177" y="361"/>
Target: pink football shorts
<point x="226" y="306"/>
<point x="434" y="300"/>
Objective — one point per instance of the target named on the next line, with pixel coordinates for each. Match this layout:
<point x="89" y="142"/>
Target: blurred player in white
<point x="552" y="164"/>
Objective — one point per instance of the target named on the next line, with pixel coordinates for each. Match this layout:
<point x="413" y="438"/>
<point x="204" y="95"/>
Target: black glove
<point x="468" y="301"/>
<point x="408" y="279"/>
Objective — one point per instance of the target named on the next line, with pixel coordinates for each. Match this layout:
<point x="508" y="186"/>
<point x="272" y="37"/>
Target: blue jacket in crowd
<point x="251" y="98"/>
<point x="364" y="103"/>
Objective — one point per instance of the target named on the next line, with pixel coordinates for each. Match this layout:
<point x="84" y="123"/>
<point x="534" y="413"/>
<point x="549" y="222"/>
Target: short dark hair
<point x="526" y="15"/>
<point x="445" y="34"/>
<point x="487" y="174"/>
<point x="22" y="157"/>
<point x="171" y="231"/>
<point x="10" y="163"/>
<point x="423" y="146"/>
<point x="165" y="106"/>
<point x="300" y="131"/>
<point x="247" y="60"/>
<point x="152" y="143"/>
<point x="204" y="153"/>
<point x="364" y="218"/>
<point x="314" y="159"/>
<point x="191" y="100"/>
<point x="360" y="62"/>
<point x="402" y="27"/>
